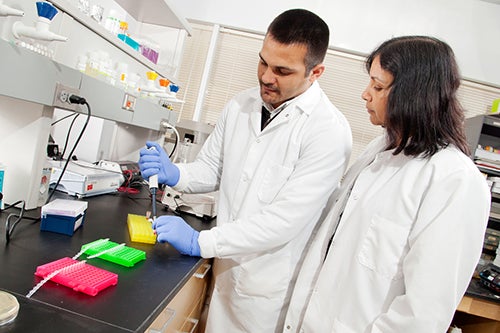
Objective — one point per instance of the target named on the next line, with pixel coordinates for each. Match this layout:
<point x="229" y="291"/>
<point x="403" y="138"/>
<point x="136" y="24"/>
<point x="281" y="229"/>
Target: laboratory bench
<point x="142" y="295"/>
<point x="479" y="310"/>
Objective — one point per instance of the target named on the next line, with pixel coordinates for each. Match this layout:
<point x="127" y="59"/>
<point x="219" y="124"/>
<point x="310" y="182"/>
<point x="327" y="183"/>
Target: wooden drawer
<point x="192" y="321"/>
<point x="183" y="312"/>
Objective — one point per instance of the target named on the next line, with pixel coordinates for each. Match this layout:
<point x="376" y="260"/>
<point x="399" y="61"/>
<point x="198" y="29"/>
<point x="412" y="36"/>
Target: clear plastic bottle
<point x="92" y="66"/>
<point x="82" y="63"/>
<point x="112" y="23"/>
<point x="121" y="73"/>
<point x="184" y="151"/>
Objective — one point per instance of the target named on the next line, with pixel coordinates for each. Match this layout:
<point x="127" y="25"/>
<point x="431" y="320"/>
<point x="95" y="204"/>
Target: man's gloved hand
<point x="156" y="162"/>
<point x="178" y="233"/>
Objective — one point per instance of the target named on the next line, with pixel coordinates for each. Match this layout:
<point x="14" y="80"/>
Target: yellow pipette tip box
<point x="140" y="229"/>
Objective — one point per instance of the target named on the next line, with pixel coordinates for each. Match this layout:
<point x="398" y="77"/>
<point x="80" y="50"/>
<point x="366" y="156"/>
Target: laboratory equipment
<point x="85" y="179"/>
<point x="96" y="12"/>
<point x="164" y="83"/>
<point x="77" y="275"/>
<point x="149" y="50"/>
<point x="9" y="307"/>
<point x="153" y="185"/>
<point x="193" y="135"/>
<point x="197" y="133"/>
<point x="9" y="11"/>
<point x="46" y="12"/>
<point x="63" y="216"/>
<point x="150" y="86"/>
<point x="129" y="41"/>
<point x="201" y="204"/>
<point x="114" y="252"/>
<point x="86" y="278"/>
<point x="490" y="277"/>
<point x="140" y="229"/>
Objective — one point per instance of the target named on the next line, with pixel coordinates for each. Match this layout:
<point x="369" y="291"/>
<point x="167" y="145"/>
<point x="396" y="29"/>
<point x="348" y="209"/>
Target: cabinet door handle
<point x="202" y="275"/>
<point x="163" y="327"/>
<point x="195" y="324"/>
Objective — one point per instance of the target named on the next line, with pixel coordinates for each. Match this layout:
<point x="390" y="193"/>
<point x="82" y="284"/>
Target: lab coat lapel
<point x="303" y="103"/>
<point x="352" y="175"/>
<point x="255" y="117"/>
<point x="281" y="118"/>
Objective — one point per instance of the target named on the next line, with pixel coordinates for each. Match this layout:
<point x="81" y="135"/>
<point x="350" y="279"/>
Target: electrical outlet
<point x="64" y="96"/>
<point x="61" y="97"/>
<point x="129" y="102"/>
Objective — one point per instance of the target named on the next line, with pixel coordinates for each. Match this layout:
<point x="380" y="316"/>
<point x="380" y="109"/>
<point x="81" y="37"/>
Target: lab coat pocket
<point x="267" y="275"/>
<point x="384" y="246"/>
<point x="272" y="182"/>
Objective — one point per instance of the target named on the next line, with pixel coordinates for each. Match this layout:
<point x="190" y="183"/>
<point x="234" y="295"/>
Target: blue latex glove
<point x="156" y="162"/>
<point x="178" y="233"/>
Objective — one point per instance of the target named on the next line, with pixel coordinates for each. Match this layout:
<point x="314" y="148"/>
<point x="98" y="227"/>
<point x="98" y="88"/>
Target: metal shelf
<point x="35" y="78"/>
<point x="142" y="11"/>
<point x="159" y="12"/>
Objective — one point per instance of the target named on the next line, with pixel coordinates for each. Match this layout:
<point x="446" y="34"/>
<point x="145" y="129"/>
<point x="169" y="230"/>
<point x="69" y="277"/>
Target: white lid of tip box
<point x="64" y="207"/>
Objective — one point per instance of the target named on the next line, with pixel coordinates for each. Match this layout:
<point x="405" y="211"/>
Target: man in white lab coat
<point x="408" y="225"/>
<point x="274" y="175"/>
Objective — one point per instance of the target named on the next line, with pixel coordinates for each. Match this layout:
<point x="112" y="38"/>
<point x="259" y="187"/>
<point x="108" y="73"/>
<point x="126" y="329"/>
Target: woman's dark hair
<point x="423" y="112"/>
<point x="300" y="26"/>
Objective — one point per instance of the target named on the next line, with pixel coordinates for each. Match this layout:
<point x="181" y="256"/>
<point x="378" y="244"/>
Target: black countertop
<point x="130" y="306"/>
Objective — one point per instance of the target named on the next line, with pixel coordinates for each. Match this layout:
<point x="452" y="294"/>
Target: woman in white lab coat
<point x="409" y="220"/>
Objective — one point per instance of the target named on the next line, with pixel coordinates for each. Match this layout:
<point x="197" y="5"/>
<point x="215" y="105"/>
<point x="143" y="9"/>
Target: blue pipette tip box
<point x="63" y="216"/>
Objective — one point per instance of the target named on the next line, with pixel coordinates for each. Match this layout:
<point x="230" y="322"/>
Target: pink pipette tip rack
<point x="78" y="275"/>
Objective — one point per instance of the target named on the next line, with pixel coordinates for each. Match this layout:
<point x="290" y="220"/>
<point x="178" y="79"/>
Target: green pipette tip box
<point x="123" y="255"/>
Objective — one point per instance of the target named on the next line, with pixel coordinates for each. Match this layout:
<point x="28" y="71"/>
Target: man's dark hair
<point x="300" y="26"/>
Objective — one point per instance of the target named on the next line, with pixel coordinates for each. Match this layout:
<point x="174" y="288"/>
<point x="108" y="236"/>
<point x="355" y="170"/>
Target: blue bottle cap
<point x="46" y="9"/>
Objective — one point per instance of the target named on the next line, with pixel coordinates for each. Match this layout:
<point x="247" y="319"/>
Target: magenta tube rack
<point x="78" y="275"/>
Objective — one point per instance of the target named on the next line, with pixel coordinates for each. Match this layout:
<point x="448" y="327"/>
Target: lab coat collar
<point x="305" y="102"/>
<point x="309" y="98"/>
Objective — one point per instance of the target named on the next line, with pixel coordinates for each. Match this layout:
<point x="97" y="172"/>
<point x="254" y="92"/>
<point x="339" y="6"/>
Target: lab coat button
<point x="258" y="140"/>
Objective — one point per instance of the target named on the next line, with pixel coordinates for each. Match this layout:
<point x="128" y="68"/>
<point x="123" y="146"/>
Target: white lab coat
<point x="404" y="251"/>
<point x="273" y="187"/>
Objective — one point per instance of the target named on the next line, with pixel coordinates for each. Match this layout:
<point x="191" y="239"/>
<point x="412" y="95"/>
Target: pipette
<point x="153" y="186"/>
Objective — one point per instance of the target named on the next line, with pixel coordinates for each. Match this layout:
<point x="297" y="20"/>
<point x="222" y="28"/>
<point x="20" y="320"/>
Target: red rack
<point x="78" y="275"/>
